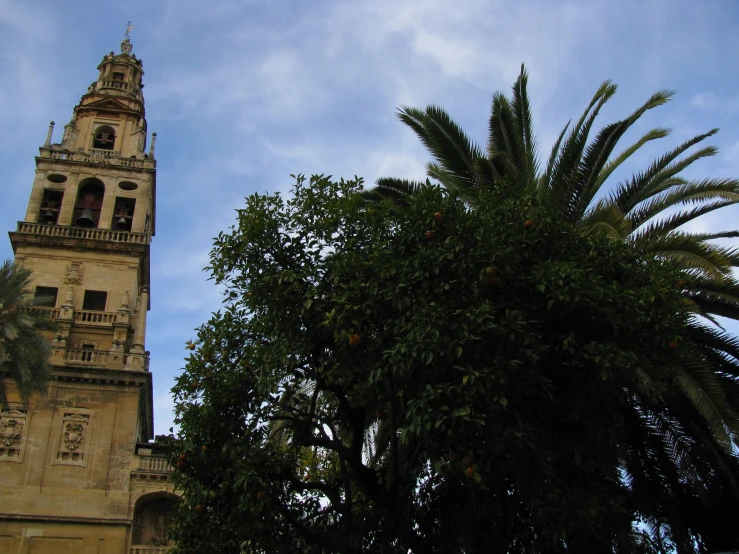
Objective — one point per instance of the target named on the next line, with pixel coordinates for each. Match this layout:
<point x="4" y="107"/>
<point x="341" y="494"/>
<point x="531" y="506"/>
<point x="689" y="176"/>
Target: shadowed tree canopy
<point x="647" y="211"/>
<point x="24" y="351"/>
<point x="428" y="377"/>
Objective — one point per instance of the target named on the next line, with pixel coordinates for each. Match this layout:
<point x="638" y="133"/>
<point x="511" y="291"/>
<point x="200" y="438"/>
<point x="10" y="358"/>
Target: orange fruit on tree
<point x="437" y="216"/>
<point x="261" y="495"/>
<point x="528" y="223"/>
<point x="429" y="235"/>
<point x="467" y="460"/>
<point x="204" y="448"/>
<point x="490" y="270"/>
<point x="681" y="283"/>
<point x="673" y="344"/>
<point x="200" y="507"/>
<point x="469" y="472"/>
<point x="355" y="339"/>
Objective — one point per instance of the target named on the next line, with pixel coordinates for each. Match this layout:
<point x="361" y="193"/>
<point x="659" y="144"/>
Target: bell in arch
<point x="85" y="219"/>
<point x="121" y="223"/>
<point x="49" y="217"/>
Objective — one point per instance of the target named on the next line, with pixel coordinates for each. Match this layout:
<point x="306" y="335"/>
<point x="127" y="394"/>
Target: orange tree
<point x="424" y="377"/>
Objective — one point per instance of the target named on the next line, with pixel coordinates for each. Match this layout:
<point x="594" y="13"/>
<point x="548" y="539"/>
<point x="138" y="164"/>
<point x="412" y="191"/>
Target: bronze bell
<point x="121" y="223"/>
<point x="85" y="219"/>
<point x="49" y="217"/>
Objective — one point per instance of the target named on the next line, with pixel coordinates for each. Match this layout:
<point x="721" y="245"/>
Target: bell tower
<point x="79" y="473"/>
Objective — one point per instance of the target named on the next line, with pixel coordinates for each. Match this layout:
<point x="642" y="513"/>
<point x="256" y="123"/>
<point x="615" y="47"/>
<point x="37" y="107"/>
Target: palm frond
<point x="606" y="217"/>
<point x="505" y="147"/>
<point x="397" y="190"/>
<point x="639" y="188"/>
<point x="687" y="252"/>
<point x="522" y="110"/>
<point x="689" y="192"/>
<point x="664" y="226"/>
<point x="546" y="178"/>
<point x="588" y="178"/>
<point x="448" y="144"/>
<point x="562" y="186"/>
<point x="614" y="163"/>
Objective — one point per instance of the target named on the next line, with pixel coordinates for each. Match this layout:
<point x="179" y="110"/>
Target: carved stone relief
<point x="76" y="428"/>
<point x="75" y="272"/>
<point x="73" y="435"/>
<point x="10" y="431"/>
<point x="12" y="439"/>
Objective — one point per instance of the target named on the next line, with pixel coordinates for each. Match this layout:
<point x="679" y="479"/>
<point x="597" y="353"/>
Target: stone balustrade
<point x="82" y="233"/>
<point x="103" y="153"/>
<point x="53" y="312"/>
<point x="149" y="549"/>
<point x="109" y="157"/>
<point x="84" y="355"/>
<point x="89" y="317"/>
<point x="153" y="463"/>
<point x="98" y="358"/>
<point x="115" y="84"/>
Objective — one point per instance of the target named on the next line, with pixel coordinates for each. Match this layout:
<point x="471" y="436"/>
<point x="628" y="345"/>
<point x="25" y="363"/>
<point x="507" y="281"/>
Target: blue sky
<point x="242" y="93"/>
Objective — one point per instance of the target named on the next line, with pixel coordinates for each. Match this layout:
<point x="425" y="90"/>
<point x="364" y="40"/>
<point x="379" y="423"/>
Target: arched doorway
<point x="152" y="517"/>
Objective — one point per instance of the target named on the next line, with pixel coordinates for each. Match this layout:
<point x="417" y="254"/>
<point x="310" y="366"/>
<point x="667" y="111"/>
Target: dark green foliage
<point x="24" y="351"/>
<point x="367" y="355"/>
<point x="641" y="212"/>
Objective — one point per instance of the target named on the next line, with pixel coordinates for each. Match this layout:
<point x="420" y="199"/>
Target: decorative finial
<point x="126" y="45"/>
<point x="49" y="133"/>
<point x="151" y="145"/>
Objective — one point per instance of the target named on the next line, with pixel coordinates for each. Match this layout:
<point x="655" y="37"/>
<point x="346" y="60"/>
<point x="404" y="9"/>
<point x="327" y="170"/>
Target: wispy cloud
<point x="243" y="93"/>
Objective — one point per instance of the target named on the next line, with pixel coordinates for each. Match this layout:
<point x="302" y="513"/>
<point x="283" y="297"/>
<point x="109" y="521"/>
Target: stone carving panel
<point x="13" y="425"/>
<point x="75" y="272"/>
<point x="76" y="431"/>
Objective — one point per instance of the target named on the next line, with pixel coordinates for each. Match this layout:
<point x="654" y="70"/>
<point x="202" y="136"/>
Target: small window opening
<point x="123" y="213"/>
<point x="87" y="352"/>
<point x="50" y="205"/>
<point x="119" y="76"/>
<point x="95" y="300"/>
<point x="104" y="138"/>
<point x="46" y="296"/>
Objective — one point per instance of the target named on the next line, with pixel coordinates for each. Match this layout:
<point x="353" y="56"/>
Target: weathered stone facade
<point x="77" y="471"/>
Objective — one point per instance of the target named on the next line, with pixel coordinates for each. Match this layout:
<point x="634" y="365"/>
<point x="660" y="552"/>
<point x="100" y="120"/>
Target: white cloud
<point x="243" y="93"/>
<point x="703" y="99"/>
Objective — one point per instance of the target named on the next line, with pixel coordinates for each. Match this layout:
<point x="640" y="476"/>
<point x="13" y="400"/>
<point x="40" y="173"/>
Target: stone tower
<point x="78" y="472"/>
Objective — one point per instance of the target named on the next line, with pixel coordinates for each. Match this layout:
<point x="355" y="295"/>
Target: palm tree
<point x="686" y="442"/>
<point x="24" y="351"/>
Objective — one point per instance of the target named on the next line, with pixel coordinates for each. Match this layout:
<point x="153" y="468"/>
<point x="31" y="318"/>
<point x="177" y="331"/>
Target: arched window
<point x="89" y="202"/>
<point x="152" y="517"/>
<point x="51" y="202"/>
<point x="104" y="138"/>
